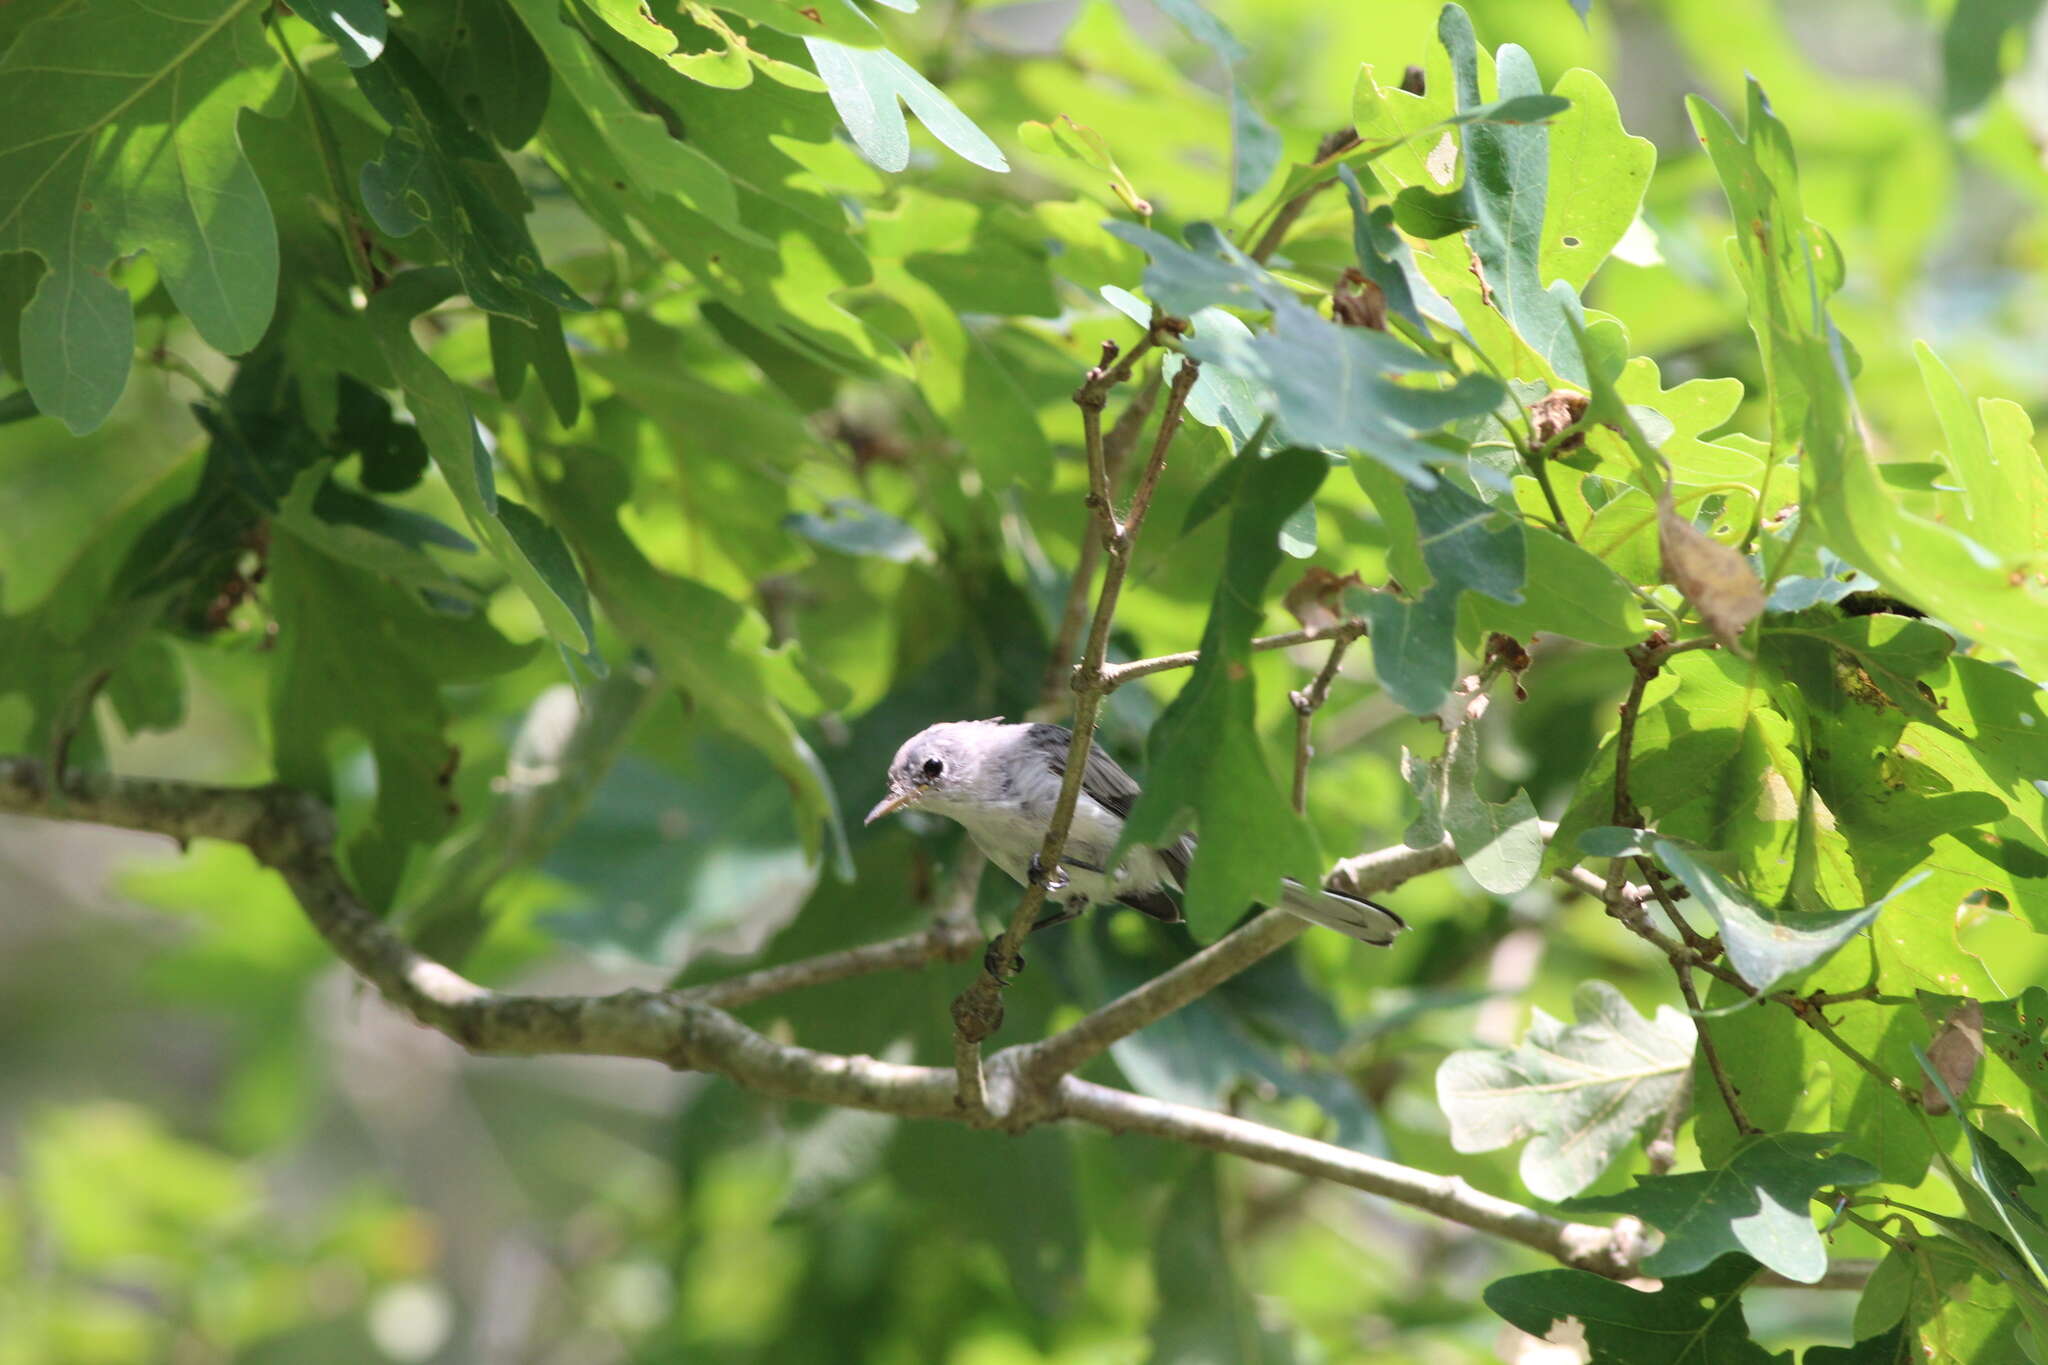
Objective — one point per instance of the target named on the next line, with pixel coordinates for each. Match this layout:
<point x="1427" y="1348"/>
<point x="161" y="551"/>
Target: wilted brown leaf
<point x="1714" y="578"/>
<point x="1954" y="1054"/>
<point x="1553" y="414"/>
<point x="1359" y="302"/>
<point x="1316" y="600"/>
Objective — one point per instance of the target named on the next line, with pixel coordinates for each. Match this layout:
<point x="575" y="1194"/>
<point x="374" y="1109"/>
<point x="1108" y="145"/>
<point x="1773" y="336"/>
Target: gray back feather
<point x="1113" y="788"/>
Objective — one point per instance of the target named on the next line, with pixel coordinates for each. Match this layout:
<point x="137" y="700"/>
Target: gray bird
<point x="1002" y="781"/>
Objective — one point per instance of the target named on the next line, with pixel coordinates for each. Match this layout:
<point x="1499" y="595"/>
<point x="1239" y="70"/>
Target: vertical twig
<point x="1306" y="703"/>
<point x="1729" y="1095"/>
<point x="978" y="1011"/>
<point x="1115" y="450"/>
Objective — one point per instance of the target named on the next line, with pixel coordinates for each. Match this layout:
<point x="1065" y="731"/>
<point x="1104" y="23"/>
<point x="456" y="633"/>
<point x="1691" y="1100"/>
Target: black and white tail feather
<point x="1002" y="781"/>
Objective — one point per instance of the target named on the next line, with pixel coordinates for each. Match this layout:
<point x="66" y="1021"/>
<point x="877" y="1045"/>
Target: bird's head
<point x="944" y="767"/>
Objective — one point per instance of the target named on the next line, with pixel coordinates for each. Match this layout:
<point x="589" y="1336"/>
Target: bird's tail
<point x="1362" y="919"/>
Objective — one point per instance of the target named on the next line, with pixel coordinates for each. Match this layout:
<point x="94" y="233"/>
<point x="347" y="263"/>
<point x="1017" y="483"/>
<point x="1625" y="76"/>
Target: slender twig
<point x="1816" y="1018"/>
<point x="1730" y="1096"/>
<point x="1116" y="675"/>
<point x="1366" y="875"/>
<point x="1306" y="703"/>
<point x="946" y="941"/>
<point x="1116" y="448"/>
<point x="977" y="1012"/>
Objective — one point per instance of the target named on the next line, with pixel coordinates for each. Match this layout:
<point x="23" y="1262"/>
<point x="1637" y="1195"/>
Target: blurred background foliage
<point x="798" y="412"/>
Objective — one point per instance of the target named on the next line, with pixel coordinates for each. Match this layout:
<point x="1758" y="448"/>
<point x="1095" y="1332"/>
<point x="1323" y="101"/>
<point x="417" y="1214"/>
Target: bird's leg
<point x="1070" y="910"/>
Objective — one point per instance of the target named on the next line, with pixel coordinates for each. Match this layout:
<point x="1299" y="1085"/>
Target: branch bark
<point x="294" y="833"/>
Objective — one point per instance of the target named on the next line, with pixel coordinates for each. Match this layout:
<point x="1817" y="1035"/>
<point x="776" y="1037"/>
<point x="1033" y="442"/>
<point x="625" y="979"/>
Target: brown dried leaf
<point x="1553" y="414"/>
<point x="1359" y="302"/>
<point x="1316" y="600"/>
<point x="1714" y="578"/>
<point x="1954" y="1054"/>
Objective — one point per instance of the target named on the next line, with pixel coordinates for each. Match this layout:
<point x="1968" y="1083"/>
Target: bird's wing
<point x="1112" y="788"/>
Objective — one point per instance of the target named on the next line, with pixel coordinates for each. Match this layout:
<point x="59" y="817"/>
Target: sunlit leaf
<point x="1577" y="1093"/>
<point x="117" y="135"/>
<point x="1759" y="1202"/>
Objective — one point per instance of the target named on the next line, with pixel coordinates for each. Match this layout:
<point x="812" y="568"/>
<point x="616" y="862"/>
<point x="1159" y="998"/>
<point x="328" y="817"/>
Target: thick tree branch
<point x="293" y="833"/>
<point x="1583" y="1245"/>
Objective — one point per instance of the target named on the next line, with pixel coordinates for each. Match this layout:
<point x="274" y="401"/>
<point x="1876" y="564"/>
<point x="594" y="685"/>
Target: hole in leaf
<point x="1571" y="241"/>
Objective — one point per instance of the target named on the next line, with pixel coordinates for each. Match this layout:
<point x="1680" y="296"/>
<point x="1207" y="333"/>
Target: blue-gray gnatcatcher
<point x="1002" y="781"/>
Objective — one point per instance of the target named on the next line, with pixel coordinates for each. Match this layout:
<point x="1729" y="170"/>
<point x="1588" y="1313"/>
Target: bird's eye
<point x="933" y="767"/>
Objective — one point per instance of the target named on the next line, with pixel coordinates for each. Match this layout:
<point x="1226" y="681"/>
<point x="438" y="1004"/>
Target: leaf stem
<point x="346" y="223"/>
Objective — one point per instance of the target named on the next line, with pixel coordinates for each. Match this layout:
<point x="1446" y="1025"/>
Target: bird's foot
<point x="1055" y="881"/>
<point x="999" y="965"/>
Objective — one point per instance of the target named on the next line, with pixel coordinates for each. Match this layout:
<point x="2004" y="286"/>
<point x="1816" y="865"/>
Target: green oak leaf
<point x="1579" y="1093"/>
<point x="1582" y="598"/>
<point x="479" y="53"/>
<point x="866" y="85"/>
<point x="1208" y="768"/>
<point x="1598" y="173"/>
<point x="1464" y="545"/>
<point x="438" y="173"/>
<point x="1764" y="946"/>
<point x="1502" y="199"/>
<point x="1788" y="268"/>
<point x="526" y="549"/>
<point x="1501" y="844"/>
<point x="2003" y="492"/>
<point x="1759" y="1201"/>
<point x="1388" y="261"/>
<point x="1333" y="387"/>
<point x="361" y="658"/>
<point x="1713" y="762"/>
<point x="713" y="648"/>
<point x="1689" y="1320"/>
<point x="357" y="28"/>
<point x="1992" y="1192"/>
<point x="1972" y="45"/>
<point x="666" y="169"/>
<point x="1892" y="1347"/>
<point x="1206" y="1310"/>
<point x="853" y="527"/>
<point x="117" y="135"/>
<point x="1209" y="271"/>
<point x="1948" y="1306"/>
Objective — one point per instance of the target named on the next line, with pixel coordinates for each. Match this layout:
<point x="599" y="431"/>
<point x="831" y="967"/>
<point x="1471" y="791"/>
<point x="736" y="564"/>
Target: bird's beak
<point x="892" y="803"/>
